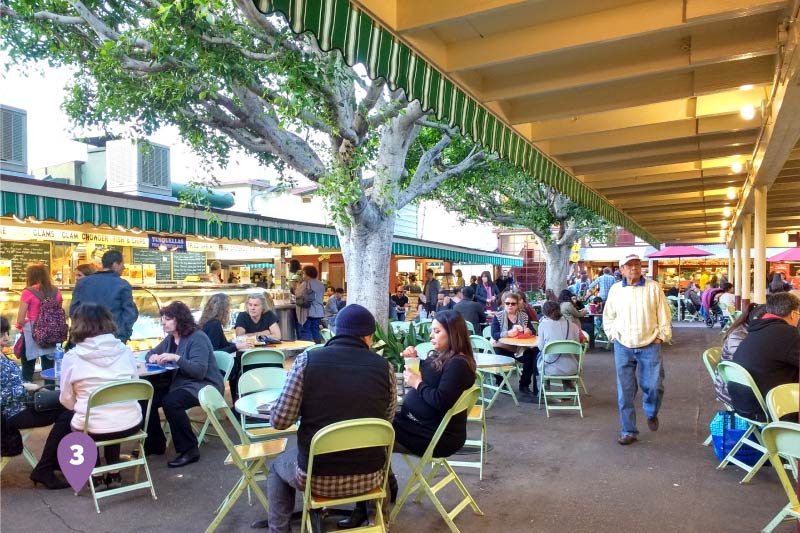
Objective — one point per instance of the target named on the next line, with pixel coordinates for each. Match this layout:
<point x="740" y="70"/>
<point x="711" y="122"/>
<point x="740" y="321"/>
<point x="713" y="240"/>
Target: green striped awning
<point x="80" y="212"/>
<point x="176" y="220"/>
<point x="338" y="25"/>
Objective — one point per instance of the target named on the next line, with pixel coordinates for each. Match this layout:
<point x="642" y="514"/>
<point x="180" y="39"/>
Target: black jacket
<point x="771" y="353"/>
<point x="473" y="312"/>
<point x="107" y="288"/>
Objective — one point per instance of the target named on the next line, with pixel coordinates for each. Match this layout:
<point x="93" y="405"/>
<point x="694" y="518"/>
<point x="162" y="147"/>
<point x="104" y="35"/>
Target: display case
<point x="147" y="330"/>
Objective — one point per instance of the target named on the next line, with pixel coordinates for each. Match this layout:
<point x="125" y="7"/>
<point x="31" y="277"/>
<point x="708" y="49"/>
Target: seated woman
<point x="190" y="350"/>
<point x="555" y="327"/>
<point x="572" y="309"/>
<point x="510" y="322"/>
<point x="18" y="415"/>
<point x="216" y="312"/>
<point x="258" y="320"/>
<point x="98" y="359"/>
<point x="444" y="375"/>
<point x="731" y="341"/>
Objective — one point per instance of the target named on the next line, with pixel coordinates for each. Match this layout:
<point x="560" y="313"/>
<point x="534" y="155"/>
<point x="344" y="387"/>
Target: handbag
<point x="46" y="400"/>
<point x="19" y="347"/>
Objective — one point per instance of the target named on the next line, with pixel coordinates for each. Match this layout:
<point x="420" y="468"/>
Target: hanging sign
<point x="166" y="243"/>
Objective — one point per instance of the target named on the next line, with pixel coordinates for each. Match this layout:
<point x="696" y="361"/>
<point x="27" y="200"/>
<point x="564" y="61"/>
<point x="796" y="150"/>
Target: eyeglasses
<point x="510" y="303"/>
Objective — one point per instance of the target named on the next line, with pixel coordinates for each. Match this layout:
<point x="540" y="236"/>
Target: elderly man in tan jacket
<point x="638" y="320"/>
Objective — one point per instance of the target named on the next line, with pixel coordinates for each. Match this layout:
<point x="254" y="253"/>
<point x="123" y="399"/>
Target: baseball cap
<point x="625" y="259"/>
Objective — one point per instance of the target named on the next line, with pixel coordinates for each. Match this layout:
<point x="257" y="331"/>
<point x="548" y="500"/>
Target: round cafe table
<point x="502" y="365"/>
<point x="248" y="405"/>
<point x="144" y="370"/>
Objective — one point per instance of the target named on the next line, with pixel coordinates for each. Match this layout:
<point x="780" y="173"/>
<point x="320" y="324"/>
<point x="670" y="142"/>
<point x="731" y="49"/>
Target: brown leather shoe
<point x="652" y="423"/>
<point x="626" y="439"/>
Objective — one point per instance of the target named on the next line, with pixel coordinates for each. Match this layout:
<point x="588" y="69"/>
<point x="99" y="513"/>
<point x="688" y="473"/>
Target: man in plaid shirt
<point x="342" y="381"/>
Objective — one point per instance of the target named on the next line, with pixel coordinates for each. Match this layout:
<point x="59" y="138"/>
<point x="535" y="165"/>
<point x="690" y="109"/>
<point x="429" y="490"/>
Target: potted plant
<point x="389" y="344"/>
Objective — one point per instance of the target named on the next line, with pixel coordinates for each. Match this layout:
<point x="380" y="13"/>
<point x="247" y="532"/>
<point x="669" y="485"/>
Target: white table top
<point x="485" y="360"/>
<point x="248" y="405"/>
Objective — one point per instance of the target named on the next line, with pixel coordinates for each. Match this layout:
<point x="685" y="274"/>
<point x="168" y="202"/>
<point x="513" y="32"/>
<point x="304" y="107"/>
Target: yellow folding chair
<point x="783" y="400"/>
<point x="26" y="453"/>
<point x="342" y="436"/>
<point x="119" y="392"/>
<point x="225" y="362"/>
<point x="782" y="439"/>
<point x="248" y="457"/>
<point x="422" y="482"/>
<point x="476" y="414"/>
<point x="731" y="372"/>
<point x="564" y="348"/>
<point x="711" y="359"/>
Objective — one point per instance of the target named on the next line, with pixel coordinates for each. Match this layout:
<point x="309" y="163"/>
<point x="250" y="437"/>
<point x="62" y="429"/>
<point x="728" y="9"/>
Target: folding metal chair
<point x="248" y="457"/>
<point x="419" y="481"/>
<point x="342" y="436"/>
<point x="487" y="332"/>
<point x="711" y="359"/>
<point x="781" y="401"/>
<point x="225" y="363"/>
<point x="259" y="379"/>
<point x="734" y="373"/>
<point x="782" y="439"/>
<point x="119" y="392"/>
<point x="25" y="452"/>
<point x="262" y="357"/>
<point x="484" y="346"/>
<point x="564" y="348"/>
<point x="476" y="414"/>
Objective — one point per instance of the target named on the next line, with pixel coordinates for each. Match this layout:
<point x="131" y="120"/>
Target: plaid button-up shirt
<point x="286" y="412"/>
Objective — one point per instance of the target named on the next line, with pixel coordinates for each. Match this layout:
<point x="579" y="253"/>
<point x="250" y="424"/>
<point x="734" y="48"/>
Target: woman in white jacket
<point x="97" y="359"/>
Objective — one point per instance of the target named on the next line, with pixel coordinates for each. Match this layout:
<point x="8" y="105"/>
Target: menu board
<point x="161" y="260"/>
<point x="22" y="253"/>
<point x="188" y="264"/>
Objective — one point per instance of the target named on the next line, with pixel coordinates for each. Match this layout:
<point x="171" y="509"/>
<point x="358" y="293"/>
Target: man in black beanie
<point x="341" y="381"/>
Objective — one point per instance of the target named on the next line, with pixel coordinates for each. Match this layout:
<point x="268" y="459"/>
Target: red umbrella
<point x="678" y="251"/>
<point x="792" y="254"/>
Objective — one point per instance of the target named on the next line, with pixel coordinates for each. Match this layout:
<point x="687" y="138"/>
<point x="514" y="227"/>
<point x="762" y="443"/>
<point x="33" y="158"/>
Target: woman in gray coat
<point x="310" y="318"/>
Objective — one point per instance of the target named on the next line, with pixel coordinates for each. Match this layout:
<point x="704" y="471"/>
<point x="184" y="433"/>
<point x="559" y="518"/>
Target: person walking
<point x="604" y="283"/>
<point x="105" y="287"/>
<point x="310" y="317"/>
<point x="637" y="319"/>
<point x="431" y="292"/>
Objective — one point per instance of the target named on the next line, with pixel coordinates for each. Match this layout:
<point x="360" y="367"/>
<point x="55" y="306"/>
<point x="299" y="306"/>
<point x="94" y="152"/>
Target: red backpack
<point x="50" y="327"/>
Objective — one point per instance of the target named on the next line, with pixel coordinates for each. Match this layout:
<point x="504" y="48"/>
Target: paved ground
<point x="559" y="474"/>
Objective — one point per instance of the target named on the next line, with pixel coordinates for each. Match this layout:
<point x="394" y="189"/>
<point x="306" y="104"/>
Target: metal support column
<point x="737" y="275"/>
<point x="760" y="244"/>
<point x="747" y="238"/>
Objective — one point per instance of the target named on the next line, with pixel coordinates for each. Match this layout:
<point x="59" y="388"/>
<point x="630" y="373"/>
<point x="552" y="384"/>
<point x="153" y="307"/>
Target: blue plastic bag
<point x="726" y="430"/>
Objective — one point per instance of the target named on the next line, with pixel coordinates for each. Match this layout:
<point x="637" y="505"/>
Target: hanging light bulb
<point x="748" y="112"/>
<point x="726" y="212"/>
<point x="745" y="87"/>
<point x="724" y="224"/>
<point x="736" y="167"/>
<point x="731" y="193"/>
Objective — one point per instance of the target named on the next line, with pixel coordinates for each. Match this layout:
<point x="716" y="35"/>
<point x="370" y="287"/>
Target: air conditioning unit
<point x="13" y="139"/>
<point x="138" y="167"/>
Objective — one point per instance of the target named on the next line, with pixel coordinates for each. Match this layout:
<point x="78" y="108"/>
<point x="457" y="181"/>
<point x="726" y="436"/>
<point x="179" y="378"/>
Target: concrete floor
<point x="559" y="474"/>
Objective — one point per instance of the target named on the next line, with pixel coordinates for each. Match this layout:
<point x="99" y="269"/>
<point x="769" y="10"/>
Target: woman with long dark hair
<point x="446" y="372"/>
<point x="777" y="284"/>
<point x="487" y="293"/>
<point x="38" y="285"/>
<point x="190" y="350"/>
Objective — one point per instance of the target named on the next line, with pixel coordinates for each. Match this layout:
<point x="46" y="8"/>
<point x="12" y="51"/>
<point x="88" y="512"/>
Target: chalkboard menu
<point x="172" y="265"/>
<point x="22" y="253"/>
<point x="161" y="260"/>
<point x="187" y="264"/>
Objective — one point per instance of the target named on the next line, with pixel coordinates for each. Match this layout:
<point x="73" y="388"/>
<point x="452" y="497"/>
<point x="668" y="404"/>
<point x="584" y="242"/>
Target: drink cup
<point x="412" y="364"/>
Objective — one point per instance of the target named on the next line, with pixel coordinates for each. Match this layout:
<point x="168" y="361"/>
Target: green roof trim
<point x="338" y="25"/>
<point x="40" y="207"/>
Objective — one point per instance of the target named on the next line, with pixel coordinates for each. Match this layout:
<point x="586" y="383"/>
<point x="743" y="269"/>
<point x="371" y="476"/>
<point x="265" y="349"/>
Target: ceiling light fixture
<point x="731" y="194"/>
<point x="726" y="212"/>
<point x="745" y="87"/>
<point x="736" y="167"/>
<point x="724" y="224"/>
<point x="748" y="112"/>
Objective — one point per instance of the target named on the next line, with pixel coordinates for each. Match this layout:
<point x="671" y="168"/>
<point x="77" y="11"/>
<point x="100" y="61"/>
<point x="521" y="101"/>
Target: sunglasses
<point x="510" y="303"/>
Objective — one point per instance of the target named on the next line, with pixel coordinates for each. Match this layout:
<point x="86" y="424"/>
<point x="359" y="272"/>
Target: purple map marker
<point x="77" y="454"/>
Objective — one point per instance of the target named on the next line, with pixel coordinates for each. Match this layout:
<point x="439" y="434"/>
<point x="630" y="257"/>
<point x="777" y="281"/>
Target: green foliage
<point x="389" y="344"/>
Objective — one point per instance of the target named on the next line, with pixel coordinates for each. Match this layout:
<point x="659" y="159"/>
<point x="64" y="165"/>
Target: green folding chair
<point x="481" y="345"/>
<point x="255" y="380"/>
<point x="26" y="453"/>
<point x="476" y="414"/>
<point x="118" y="392"/>
<point x="249" y="457"/>
<point x="534" y="327"/>
<point x="399" y="325"/>
<point x="487" y="333"/>
<point x="421" y="482"/>
<point x="711" y="359"/>
<point x="424" y="328"/>
<point x="263" y="357"/>
<point x="470" y="327"/>
<point x="344" y="436"/>
<point x="782" y="439"/>
<point x="225" y="362"/>
<point x="326" y="334"/>
<point x="731" y="372"/>
<point x="564" y="348"/>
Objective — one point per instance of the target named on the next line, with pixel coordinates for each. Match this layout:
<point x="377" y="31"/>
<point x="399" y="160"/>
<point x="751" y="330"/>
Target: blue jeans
<point x="310" y="330"/>
<point x="281" y="486"/>
<point x="644" y="363"/>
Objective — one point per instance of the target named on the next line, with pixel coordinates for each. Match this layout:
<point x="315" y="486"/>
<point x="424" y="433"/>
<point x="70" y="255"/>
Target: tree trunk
<point x="367" y="248"/>
<point x="557" y="263"/>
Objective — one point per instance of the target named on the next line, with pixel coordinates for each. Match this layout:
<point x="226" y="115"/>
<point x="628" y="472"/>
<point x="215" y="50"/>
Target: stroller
<point x="711" y="311"/>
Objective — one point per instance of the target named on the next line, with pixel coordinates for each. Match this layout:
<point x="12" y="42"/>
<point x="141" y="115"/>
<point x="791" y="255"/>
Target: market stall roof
<point x="632" y="108"/>
<point x="792" y="254"/>
<point x="678" y="251"/>
<point x="27" y="197"/>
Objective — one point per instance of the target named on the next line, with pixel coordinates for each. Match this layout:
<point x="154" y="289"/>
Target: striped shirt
<point x="286" y="412"/>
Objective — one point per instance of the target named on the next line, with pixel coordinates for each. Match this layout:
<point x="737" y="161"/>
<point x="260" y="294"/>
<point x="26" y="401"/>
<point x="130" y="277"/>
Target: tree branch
<point x="257" y="56"/>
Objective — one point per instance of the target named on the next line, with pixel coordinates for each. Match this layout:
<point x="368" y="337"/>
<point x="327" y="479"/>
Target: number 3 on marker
<point x="77" y="457"/>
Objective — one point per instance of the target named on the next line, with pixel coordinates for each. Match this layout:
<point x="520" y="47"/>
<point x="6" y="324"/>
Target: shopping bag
<point x="726" y="430"/>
